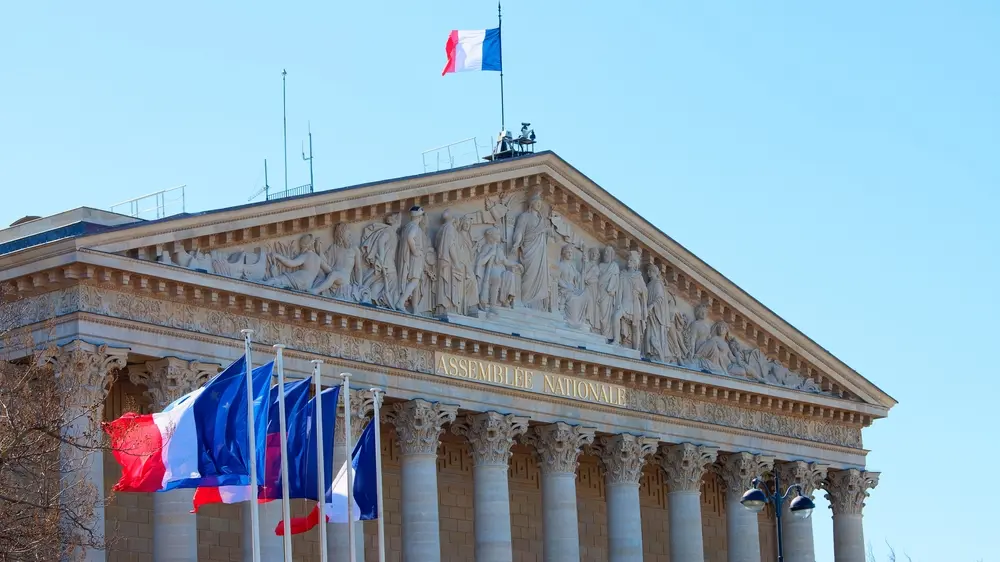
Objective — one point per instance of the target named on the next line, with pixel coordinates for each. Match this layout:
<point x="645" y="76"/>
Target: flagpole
<point x="286" y="508"/>
<point x="350" y="464"/>
<point x="377" y="395"/>
<point x="251" y="433"/>
<point x="503" y="121"/>
<point x="320" y="460"/>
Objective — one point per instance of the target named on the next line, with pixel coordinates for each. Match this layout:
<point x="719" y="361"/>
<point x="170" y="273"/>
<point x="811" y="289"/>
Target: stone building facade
<point x="563" y="380"/>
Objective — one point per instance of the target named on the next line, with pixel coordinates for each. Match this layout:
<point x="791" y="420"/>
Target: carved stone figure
<point x="423" y="298"/>
<point x="630" y="317"/>
<point x="469" y="249"/>
<point x="345" y="266"/>
<point x="574" y="297"/>
<point x="714" y="354"/>
<point x="608" y="286"/>
<point x="676" y="344"/>
<point x="379" y="243"/>
<point x="495" y="273"/>
<point x="454" y="266"/>
<point x="591" y="282"/>
<point x="411" y="259"/>
<point x="698" y="331"/>
<point x="304" y="268"/>
<point x="752" y="363"/>
<point x="532" y="230"/>
<point x="659" y="318"/>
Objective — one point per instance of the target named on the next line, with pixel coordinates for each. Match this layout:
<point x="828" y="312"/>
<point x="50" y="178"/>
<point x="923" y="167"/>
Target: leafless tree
<point x="47" y="439"/>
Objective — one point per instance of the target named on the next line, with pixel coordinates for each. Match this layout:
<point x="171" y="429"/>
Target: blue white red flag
<point x="201" y="439"/>
<point x="473" y="50"/>
<point x="365" y="479"/>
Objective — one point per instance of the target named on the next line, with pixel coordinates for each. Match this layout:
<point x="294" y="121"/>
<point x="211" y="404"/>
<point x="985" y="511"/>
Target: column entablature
<point x="312" y="312"/>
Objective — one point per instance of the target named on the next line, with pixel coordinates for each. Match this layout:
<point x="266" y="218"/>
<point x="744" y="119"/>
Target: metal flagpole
<point x="251" y="431"/>
<point x="286" y="507"/>
<point x="350" y="463"/>
<point x="284" y="126"/>
<point x="320" y="459"/>
<point x="503" y="121"/>
<point x="377" y="394"/>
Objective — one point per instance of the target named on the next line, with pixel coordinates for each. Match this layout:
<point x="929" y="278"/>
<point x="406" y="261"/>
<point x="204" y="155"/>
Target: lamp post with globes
<point x="758" y="496"/>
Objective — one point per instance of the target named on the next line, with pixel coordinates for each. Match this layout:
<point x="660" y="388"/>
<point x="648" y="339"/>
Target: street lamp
<point x="758" y="496"/>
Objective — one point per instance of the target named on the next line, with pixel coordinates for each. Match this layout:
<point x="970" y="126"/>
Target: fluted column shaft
<point x="558" y="446"/>
<point x="623" y="457"/>
<point x="684" y="466"/>
<point x="418" y="426"/>
<point x="84" y="375"/>
<point x="796" y="532"/>
<point x="737" y="471"/>
<point x="338" y="537"/>
<point x="847" y="490"/>
<point x="175" y="529"/>
<point x="491" y="435"/>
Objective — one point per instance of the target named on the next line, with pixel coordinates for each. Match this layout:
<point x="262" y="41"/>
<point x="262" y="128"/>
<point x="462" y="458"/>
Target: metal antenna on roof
<point x="266" y="190"/>
<point x="312" y="186"/>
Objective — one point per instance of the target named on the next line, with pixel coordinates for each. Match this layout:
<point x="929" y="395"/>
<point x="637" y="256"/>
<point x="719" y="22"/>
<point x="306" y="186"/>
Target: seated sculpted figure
<point x="306" y="267"/>
<point x="714" y="354"/>
<point x="345" y="266"/>
<point x="574" y="290"/>
<point x="495" y="273"/>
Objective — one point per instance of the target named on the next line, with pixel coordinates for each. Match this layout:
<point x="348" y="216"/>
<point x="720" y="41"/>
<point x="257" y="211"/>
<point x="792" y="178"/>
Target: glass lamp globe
<point x="754" y="500"/>
<point x="801" y="507"/>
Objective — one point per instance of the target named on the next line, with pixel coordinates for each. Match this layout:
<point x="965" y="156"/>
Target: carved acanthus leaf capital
<point x="84" y="370"/>
<point x="418" y="424"/>
<point x="847" y="489"/>
<point x="738" y="470"/>
<point x="685" y="465"/>
<point x="623" y="456"/>
<point x="558" y="445"/>
<point x="808" y="475"/>
<point x="362" y="404"/>
<point x="170" y="378"/>
<point x="491" y="435"/>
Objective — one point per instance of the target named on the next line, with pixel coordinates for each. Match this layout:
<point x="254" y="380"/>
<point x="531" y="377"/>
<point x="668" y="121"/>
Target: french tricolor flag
<point x="473" y="50"/>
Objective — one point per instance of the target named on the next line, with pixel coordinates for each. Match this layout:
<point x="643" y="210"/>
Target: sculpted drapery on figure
<point x="608" y="287"/>
<point x="659" y="315"/>
<point x="454" y="262"/>
<point x="412" y="259"/>
<point x="630" y="317"/>
<point x="591" y="283"/>
<point x="379" y="243"/>
<point x="304" y="268"/>
<point x="532" y="230"/>
<point x="574" y="295"/>
<point x="497" y="275"/>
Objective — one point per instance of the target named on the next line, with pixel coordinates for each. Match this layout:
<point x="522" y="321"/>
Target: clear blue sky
<point x="840" y="163"/>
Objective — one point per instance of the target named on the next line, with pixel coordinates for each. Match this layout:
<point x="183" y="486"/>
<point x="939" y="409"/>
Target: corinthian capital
<point x="623" y="456"/>
<point x="739" y="469"/>
<point x="362" y="404"/>
<point x="808" y="475"/>
<point x="558" y="445"/>
<point x="83" y="369"/>
<point x="168" y="379"/>
<point x="418" y="425"/>
<point x="491" y="435"/>
<point x="685" y="464"/>
<point x="847" y="489"/>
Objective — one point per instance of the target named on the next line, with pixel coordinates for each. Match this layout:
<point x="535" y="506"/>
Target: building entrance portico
<point x="563" y="381"/>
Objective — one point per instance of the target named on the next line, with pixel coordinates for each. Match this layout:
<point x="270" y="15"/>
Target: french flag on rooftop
<point x="473" y="50"/>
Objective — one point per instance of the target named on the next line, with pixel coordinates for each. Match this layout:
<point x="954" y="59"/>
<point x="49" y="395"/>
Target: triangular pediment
<point x="529" y="244"/>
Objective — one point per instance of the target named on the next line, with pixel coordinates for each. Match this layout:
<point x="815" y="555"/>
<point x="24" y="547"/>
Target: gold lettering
<point x="605" y="397"/>
<point x="621" y="396"/>
<point x="528" y="383"/>
<point x="594" y="391"/>
<point x="463" y="368"/>
<point x="547" y="385"/>
<point x="442" y="366"/>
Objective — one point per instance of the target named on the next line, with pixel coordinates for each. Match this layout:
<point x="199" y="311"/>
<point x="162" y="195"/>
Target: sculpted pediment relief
<point x="504" y="260"/>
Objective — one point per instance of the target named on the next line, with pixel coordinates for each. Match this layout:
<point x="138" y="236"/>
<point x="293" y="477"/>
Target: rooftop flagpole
<point x="503" y="121"/>
<point x="284" y="126"/>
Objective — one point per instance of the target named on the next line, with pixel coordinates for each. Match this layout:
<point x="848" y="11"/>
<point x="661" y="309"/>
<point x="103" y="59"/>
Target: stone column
<point x="557" y="446"/>
<point x="847" y="490"/>
<point x="623" y="457"/>
<point x="175" y="530"/>
<point x="798" y="533"/>
<point x="684" y="465"/>
<point x="418" y="426"/>
<point x="491" y="435"/>
<point x="742" y="535"/>
<point x="338" y="540"/>
<point x="84" y="374"/>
